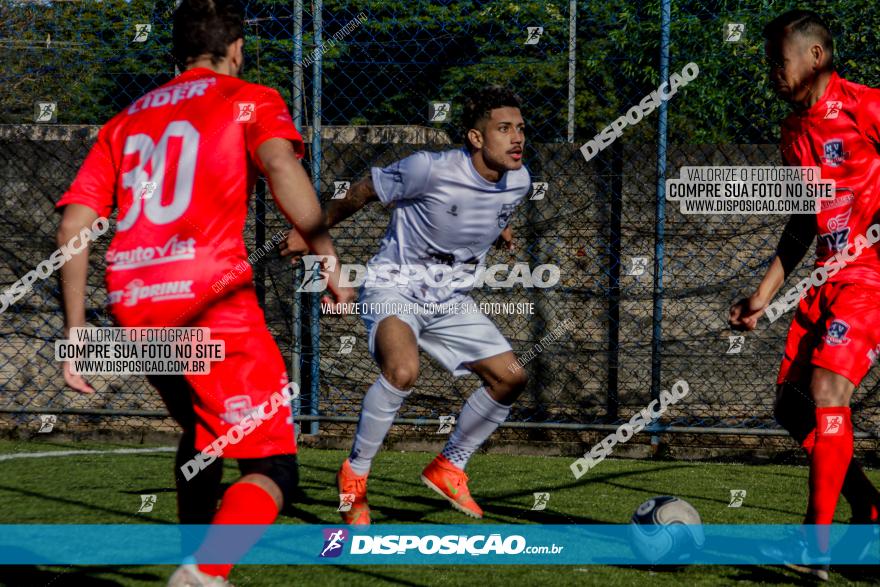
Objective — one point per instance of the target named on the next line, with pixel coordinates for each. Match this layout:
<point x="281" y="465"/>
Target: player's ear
<point x="476" y="138"/>
<point x="817" y="54"/>
<point x="235" y="55"/>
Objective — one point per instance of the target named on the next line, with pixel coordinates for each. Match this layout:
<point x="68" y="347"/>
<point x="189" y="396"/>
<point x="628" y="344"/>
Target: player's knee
<point x="510" y="386"/>
<point x="517" y="381"/>
<point x="826" y="395"/>
<point x="829" y="389"/>
<point x="283" y="470"/>
<point x="401" y="375"/>
<point x="794" y="411"/>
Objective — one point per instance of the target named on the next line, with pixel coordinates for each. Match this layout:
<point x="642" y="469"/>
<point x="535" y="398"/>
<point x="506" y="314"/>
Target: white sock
<point x="479" y="418"/>
<point x="377" y="414"/>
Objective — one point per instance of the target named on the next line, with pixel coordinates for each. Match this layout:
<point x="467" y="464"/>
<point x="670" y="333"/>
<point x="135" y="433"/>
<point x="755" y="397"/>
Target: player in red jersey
<point x="179" y="165"/>
<point x="834" y="337"/>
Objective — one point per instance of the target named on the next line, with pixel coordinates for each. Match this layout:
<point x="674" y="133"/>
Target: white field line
<point x="70" y="453"/>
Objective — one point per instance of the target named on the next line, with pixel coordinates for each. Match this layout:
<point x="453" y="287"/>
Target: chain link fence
<point x="647" y="287"/>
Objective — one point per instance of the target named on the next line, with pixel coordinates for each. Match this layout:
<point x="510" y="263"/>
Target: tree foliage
<point x="407" y="54"/>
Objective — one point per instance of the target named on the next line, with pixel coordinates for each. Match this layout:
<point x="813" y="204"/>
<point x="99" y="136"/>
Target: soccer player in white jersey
<point x="448" y="208"/>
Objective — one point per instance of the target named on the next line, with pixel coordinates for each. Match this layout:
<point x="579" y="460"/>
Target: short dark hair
<point x="804" y="22"/>
<point x="479" y="104"/>
<point x="205" y="27"/>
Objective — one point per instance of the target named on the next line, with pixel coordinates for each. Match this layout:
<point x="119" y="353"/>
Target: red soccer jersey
<point x="841" y="134"/>
<point x="179" y="164"/>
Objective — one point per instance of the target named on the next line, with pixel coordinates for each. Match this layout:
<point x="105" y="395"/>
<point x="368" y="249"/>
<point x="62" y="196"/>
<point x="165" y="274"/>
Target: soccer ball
<point x="666" y="530"/>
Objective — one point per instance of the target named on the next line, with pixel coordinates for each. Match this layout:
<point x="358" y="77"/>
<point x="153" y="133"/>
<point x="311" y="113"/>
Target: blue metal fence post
<point x="660" y="215"/>
<point x="296" y="98"/>
<point x="317" y="66"/>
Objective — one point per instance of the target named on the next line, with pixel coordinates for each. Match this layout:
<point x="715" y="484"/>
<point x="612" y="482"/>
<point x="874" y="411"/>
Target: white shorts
<point x="455" y="333"/>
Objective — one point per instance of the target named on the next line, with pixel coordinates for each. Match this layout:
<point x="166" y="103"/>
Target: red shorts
<point x="836" y="327"/>
<point x="244" y="398"/>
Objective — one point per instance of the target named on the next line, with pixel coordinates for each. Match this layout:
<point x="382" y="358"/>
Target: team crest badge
<point x="834" y="153"/>
<point x="504" y="214"/>
<point x="836" y="334"/>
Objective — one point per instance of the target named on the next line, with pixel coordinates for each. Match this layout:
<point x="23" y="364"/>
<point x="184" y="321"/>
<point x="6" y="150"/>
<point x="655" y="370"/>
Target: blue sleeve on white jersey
<point x="402" y="180"/>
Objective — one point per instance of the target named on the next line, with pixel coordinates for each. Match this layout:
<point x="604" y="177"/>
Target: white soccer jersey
<point x="444" y="214"/>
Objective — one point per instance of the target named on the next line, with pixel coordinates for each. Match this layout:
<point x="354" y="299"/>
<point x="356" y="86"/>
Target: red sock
<point x="243" y="503"/>
<point x="829" y="460"/>
<point x="857" y="488"/>
<point x="809" y="442"/>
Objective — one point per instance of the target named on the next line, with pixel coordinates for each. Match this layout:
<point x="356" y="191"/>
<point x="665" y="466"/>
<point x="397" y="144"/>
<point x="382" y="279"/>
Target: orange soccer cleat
<point x="451" y="482"/>
<point x="350" y="484"/>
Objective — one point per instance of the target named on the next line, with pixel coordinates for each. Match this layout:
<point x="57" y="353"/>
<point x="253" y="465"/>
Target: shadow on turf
<point x="362" y="573"/>
<point x="687" y="496"/>
<point x="762" y="575"/>
<point x="91" y="507"/>
<point x="496" y="509"/>
<point x="28" y="576"/>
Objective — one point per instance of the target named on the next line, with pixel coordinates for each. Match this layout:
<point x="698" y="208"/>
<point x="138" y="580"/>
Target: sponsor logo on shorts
<point x="334" y="539"/>
<point x="832" y="425"/>
<point x="836" y="335"/>
<point x="237" y="408"/>
<point x="250" y="420"/>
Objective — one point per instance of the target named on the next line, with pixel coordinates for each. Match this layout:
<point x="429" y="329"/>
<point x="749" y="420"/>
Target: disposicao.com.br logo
<point x="334" y="541"/>
<point x="411" y="544"/>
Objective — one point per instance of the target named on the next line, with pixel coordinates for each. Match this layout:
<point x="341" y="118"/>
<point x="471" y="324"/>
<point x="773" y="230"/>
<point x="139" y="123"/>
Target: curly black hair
<point x="205" y="27"/>
<point x="479" y="104"/>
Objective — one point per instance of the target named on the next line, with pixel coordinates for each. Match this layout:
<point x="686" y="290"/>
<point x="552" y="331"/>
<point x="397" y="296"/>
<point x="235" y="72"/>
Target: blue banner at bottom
<point x="440" y="544"/>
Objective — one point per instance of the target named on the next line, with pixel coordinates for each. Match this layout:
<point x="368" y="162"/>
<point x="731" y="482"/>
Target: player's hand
<point x="505" y="240"/>
<point x="75" y="381"/>
<point x="745" y="313"/>
<point x="341" y="298"/>
<point x="293" y="246"/>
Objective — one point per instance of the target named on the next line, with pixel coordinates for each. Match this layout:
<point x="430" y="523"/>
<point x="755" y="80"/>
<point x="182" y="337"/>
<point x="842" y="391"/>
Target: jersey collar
<point x="821" y="105"/>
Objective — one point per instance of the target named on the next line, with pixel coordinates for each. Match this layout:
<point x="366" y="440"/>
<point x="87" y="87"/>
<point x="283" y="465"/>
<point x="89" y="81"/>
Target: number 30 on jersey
<point x="156" y="154"/>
